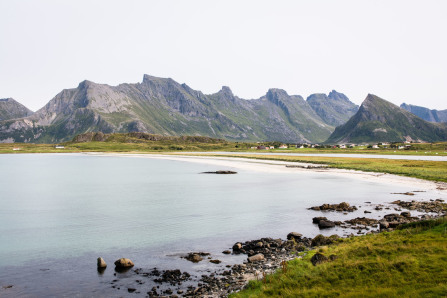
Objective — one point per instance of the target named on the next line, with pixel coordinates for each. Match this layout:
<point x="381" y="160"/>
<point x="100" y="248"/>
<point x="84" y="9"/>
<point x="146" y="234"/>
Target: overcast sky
<point x="394" y="49"/>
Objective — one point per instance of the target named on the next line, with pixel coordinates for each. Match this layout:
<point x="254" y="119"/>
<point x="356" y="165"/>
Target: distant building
<point x="16" y="149"/>
<point x="59" y="147"/>
<point x="283" y="146"/>
<point x="375" y="146"/>
<point x="342" y="146"/>
<point x="261" y="147"/>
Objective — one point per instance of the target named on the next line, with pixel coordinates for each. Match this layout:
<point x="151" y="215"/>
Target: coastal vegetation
<point x="428" y="170"/>
<point x="409" y="262"/>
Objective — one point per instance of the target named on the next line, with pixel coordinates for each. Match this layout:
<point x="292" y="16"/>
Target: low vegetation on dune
<point x="409" y="262"/>
<point x="428" y="170"/>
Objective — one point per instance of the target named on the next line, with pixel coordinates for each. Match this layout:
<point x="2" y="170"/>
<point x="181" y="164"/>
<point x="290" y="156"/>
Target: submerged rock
<point x="220" y="172"/>
<point x="316" y="220"/>
<point x="326" y="224"/>
<point x="196" y="257"/>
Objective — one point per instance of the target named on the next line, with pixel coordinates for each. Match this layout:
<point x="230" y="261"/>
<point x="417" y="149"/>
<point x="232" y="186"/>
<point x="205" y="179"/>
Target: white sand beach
<point x="273" y="166"/>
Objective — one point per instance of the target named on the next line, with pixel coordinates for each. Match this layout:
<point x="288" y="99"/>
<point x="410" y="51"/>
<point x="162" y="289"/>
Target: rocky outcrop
<point x="342" y="207"/>
<point x="320" y="240"/>
<point x="436" y="206"/>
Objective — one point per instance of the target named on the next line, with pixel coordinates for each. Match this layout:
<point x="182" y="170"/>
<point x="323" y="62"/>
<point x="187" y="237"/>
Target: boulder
<point x="406" y="214"/>
<point x="123" y="263"/>
<point x="326" y="224"/>
<point x="316" y="220"/>
<point x="237" y="246"/>
<point x="384" y="224"/>
<point x="320" y="240"/>
<point x="294" y="236"/>
<point x="226" y="252"/>
<point x="101" y="263"/>
<point x="256" y="258"/>
<point x="195" y="258"/>
<point x="318" y="259"/>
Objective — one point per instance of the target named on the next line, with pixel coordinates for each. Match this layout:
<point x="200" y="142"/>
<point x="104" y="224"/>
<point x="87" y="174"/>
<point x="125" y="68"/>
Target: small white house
<point x="342" y="146"/>
<point x="283" y="146"/>
<point x="59" y="147"/>
<point x="16" y="149"/>
<point x="272" y="147"/>
<point x="375" y="146"/>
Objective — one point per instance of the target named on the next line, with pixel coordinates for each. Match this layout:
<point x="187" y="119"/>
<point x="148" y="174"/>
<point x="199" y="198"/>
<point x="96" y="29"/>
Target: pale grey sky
<point x="394" y="49"/>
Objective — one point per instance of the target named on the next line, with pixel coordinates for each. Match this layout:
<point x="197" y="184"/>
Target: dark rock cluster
<point x="342" y="207"/>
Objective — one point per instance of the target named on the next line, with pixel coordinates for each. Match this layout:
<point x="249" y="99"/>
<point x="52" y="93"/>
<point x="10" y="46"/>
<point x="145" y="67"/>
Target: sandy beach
<point x="273" y="166"/>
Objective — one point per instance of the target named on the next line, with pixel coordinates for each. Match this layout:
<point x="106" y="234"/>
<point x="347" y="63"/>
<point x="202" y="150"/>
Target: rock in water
<point x="256" y="258"/>
<point x="101" y="263"/>
<point x="326" y="224"/>
<point x="220" y="172"/>
<point x="123" y="263"/>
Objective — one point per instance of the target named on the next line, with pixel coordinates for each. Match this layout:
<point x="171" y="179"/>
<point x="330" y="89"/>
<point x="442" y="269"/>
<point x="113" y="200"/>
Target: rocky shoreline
<point x="267" y="255"/>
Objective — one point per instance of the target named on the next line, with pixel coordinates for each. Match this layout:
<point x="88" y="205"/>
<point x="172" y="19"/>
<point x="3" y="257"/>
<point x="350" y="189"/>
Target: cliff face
<point x="335" y="109"/>
<point x="163" y="106"/>
<point x="378" y="120"/>
<point x="425" y="113"/>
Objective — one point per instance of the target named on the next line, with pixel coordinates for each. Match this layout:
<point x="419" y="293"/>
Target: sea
<point x="60" y="212"/>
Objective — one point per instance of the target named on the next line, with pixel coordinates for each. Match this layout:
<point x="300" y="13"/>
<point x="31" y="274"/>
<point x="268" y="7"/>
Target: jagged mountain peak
<point x="225" y="90"/>
<point x="379" y="120"/>
<point x="276" y="93"/>
<point x="12" y="109"/>
<point x="425" y="113"/>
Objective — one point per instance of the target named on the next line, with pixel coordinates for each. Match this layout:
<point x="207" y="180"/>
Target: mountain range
<point x="425" y="113"/>
<point x="163" y="106"/>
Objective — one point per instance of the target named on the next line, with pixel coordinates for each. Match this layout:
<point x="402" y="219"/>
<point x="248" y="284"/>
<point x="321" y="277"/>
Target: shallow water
<point x="60" y="212"/>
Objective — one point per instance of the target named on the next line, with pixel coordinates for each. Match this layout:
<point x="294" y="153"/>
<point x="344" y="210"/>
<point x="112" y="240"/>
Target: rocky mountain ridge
<point x="378" y="120"/>
<point x="425" y="113"/>
<point x="163" y="106"/>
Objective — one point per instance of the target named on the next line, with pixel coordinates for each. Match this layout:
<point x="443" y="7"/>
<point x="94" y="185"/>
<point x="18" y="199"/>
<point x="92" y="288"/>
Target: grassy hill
<point x="410" y="262"/>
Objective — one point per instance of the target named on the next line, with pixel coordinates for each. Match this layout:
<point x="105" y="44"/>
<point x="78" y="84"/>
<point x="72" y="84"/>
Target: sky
<point x="394" y="49"/>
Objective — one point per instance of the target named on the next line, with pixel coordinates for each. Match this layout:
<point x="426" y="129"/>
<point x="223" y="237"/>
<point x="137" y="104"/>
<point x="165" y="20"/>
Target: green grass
<point x="428" y="170"/>
<point x="411" y="262"/>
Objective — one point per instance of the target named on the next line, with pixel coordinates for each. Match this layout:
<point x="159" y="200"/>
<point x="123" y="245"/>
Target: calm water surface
<point x="60" y="212"/>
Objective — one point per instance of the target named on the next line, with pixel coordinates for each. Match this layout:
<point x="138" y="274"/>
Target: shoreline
<point x="274" y="166"/>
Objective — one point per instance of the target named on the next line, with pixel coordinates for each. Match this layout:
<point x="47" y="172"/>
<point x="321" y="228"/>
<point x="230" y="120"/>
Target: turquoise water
<point x="59" y="212"/>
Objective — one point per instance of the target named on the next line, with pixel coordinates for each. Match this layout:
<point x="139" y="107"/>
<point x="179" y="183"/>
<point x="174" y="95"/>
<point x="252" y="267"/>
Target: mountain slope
<point x="425" y="113"/>
<point x="335" y="109"/>
<point x="11" y="109"/>
<point x="379" y="120"/>
<point x="163" y="106"/>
